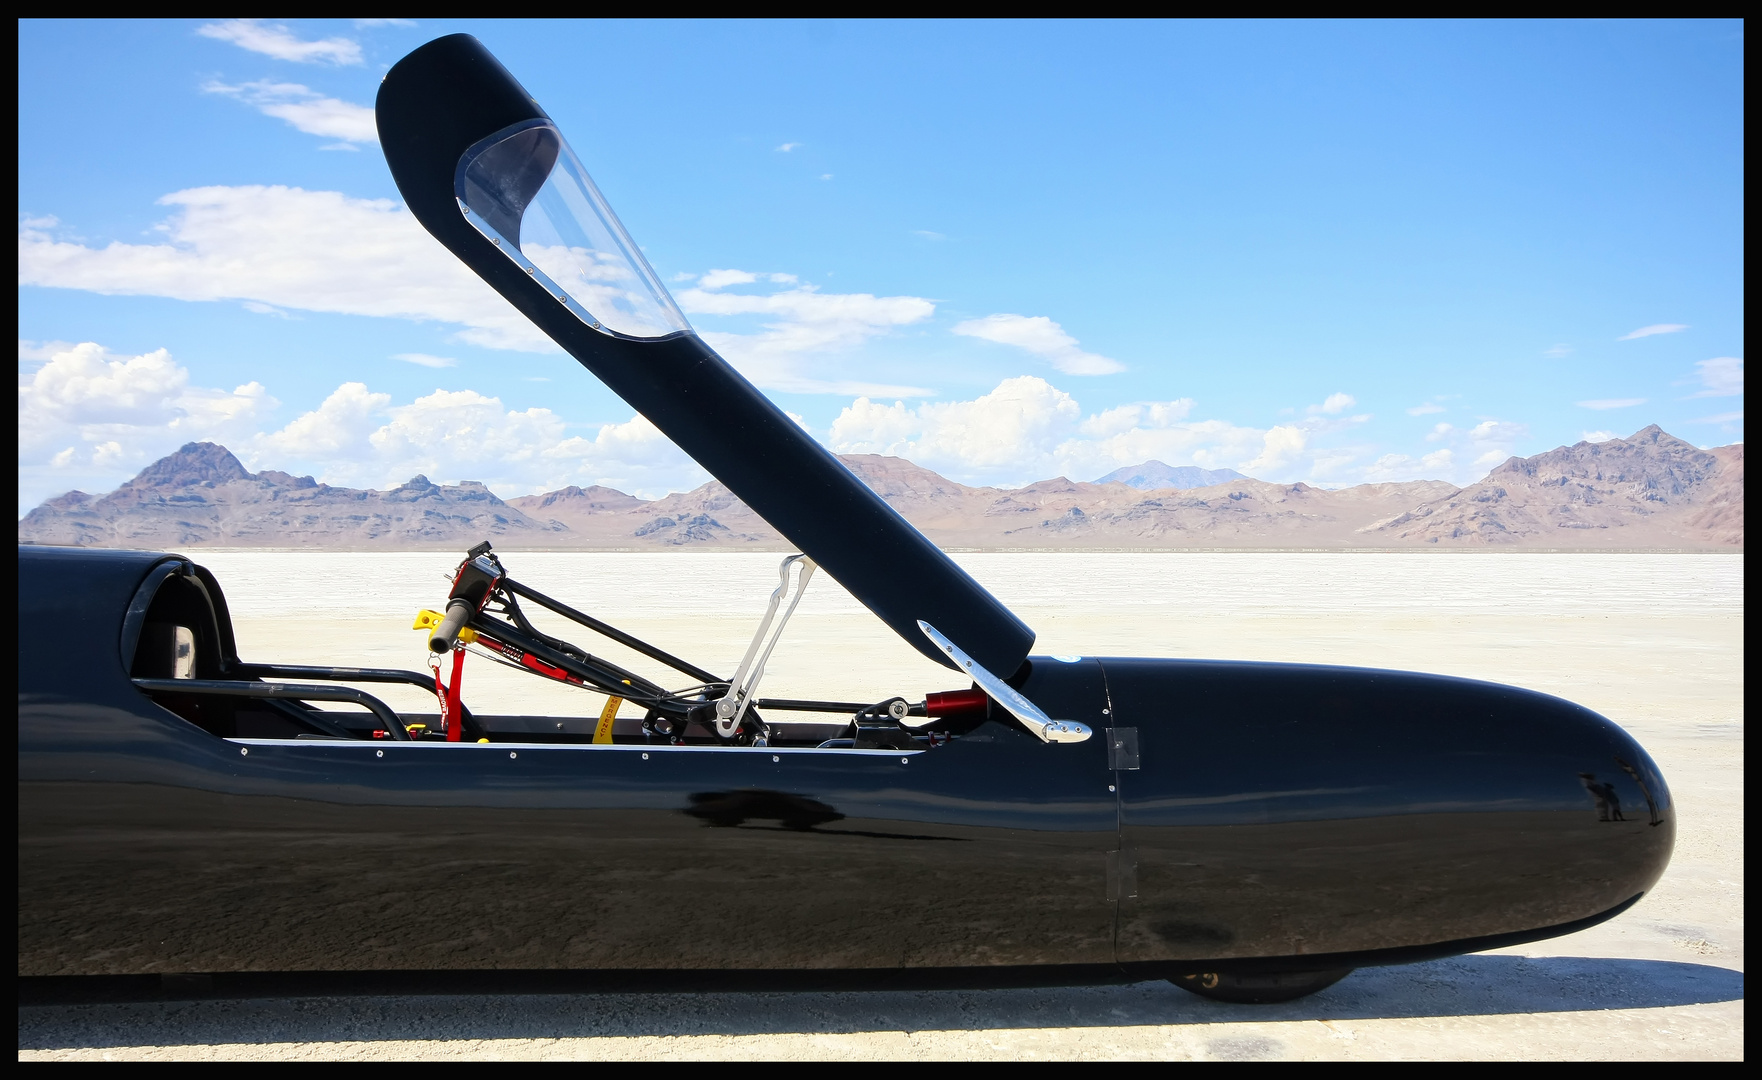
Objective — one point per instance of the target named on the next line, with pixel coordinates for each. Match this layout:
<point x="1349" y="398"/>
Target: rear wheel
<point x="1260" y="987"/>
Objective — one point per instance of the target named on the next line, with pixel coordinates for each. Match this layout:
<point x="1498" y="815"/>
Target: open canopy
<point x="485" y="170"/>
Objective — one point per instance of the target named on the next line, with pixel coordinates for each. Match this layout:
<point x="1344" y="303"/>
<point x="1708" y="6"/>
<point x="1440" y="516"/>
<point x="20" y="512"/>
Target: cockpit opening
<point x="179" y="649"/>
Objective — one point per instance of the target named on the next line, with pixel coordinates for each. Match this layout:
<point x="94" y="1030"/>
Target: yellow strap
<point x="603" y="733"/>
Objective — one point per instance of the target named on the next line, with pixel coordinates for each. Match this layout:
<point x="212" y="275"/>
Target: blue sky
<point x="1326" y="252"/>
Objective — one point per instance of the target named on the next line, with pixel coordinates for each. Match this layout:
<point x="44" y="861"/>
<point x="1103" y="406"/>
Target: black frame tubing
<point x="285" y="692"/>
<point x="608" y="631"/>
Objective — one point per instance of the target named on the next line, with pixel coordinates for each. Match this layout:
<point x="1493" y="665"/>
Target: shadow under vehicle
<point x="1250" y="831"/>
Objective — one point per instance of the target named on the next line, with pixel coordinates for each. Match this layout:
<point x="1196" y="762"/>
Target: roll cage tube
<point x="286" y="692"/>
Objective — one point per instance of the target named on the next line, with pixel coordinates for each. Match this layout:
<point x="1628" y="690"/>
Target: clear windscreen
<point x="526" y="191"/>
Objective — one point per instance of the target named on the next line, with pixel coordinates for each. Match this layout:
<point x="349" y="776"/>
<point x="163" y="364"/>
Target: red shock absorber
<point x="954" y="703"/>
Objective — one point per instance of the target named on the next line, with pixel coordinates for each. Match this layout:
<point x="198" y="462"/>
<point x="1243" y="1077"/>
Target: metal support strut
<point x="733" y="705"/>
<point x="1037" y="722"/>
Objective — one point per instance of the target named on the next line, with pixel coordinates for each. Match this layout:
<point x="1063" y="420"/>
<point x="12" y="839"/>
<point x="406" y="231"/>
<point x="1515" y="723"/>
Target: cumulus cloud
<point x="1334" y="405"/>
<point x="1473" y="451"/>
<point x="1599" y="436"/>
<point x="281" y="43"/>
<point x="1044" y="338"/>
<point x="287" y="247"/>
<point x="304" y="108"/>
<point x="1722" y="376"/>
<point x="801" y="331"/>
<point x="1493" y="441"/>
<point x="357" y="437"/>
<point x="1280" y="447"/>
<point x="1612" y="403"/>
<point x="1425" y="410"/>
<point x="1027" y="429"/>
<point x="787" y="147"/>
<point x="1395" y="468"/>
<point x="87" y="412"/>
<point x="338" y="428"/>
<point x="1655" y="328"/>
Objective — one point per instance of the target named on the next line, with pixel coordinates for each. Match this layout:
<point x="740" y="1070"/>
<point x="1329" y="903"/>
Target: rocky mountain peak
<point x="193" y="463"/>
<point x="1649" y="460"/>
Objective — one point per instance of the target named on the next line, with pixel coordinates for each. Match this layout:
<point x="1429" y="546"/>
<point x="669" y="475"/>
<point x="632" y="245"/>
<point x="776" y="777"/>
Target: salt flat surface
<point x="357" y="585"/>
<point x="1655" y="642"/>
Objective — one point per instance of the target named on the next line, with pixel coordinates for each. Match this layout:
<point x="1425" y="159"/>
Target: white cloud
<point x="1498" y="431"/>
<point x="86" y="384"/>
<point x="1044" y="338"/>
<point x="1720" y="418"/>
<point x="87" y="413"/>
<point x="358" y="438"/>
<point x="1394" y="468"/>
<point x="1557" y="351"/>
<point x="1334" y="405"/>
<point x="1280" y="447"/>
<point x="1612" y="403"/>
<point x="721" y="279"/>
<point x="1425" y="410"/>
<point x="1722" y="376"/>
<point x="1011" y="430"/>
<point x="306" y="109"/>
<point x="257" y="307"/>
<point x="825" y="176"/>
<point x="929" y="234"/>
<point x="1143" y="414"/>
<point x="425" y="360"/>
<point x="1465" y="454"/>
<point x="306" y="250"/>
<point x="338" y="427"/>
<point x="1599" y="436"/>
<point x="324" y="251"/>
<point x="36" y="352"/>
<point x="787" y="147"/>
<point x="802" y="331"/>
<point x="279" y="42"/>
<point x="1026" y="430"/>
<point x="1655" y="328"/>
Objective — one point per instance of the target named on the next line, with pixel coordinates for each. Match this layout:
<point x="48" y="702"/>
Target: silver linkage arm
<point x="744" y="686"/>
<point x="1036" y="721"/>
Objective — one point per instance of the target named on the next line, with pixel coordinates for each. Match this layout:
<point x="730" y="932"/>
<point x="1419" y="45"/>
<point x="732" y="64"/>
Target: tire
<point x="1260" y="987"/>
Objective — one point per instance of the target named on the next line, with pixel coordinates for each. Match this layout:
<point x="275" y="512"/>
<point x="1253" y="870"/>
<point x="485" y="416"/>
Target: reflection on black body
<point x="1604" y="795"/>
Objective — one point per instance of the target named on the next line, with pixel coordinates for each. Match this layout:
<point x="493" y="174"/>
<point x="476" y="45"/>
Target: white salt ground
<point x="1655" y="642"/>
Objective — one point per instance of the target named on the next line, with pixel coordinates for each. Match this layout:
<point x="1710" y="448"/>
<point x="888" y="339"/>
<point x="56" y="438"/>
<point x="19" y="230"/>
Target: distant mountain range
<point x="1651" y="491"/>
<point x="1154" y="476"/>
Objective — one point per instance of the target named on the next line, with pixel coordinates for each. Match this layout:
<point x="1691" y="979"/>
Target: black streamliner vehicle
<point x="1251" y="831"/>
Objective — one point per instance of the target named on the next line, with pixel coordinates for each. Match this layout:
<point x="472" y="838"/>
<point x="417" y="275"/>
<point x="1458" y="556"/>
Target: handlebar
<point x="458" y="613"/>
